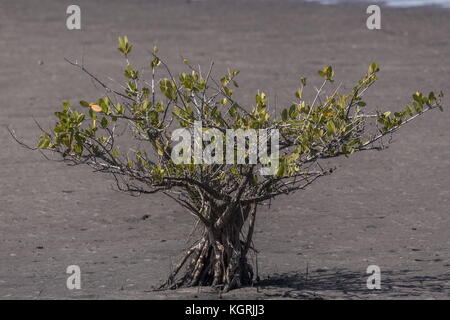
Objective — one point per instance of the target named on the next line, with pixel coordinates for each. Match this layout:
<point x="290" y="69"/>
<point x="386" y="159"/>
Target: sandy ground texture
<point x="386" y="208"/>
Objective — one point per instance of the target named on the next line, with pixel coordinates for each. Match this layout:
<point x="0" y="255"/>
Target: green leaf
<point x="361" y="104"/>
<point x="227" y="91"/>
<point x="327" y="73"/>
<point x="92" y="114"/>
<point x="130" y="73"/>
<point x="293" y="114"/>
<point x="119" y="108"/>
<point x="234" y="171"/>
<point x="155" y="62"/>
<point x="124" y="46"/>
<point x="331" y="128"/>
<point x="168" y="88"/>
<point x="284" y="115"/>
<point x="374" y="68"/>
<point x="44" y="141"/>
<point x="104" y="122"/>
<point x="66" y="105"/>
<point x="282" y="168"/>
<point x="234" y="73"/>
<point x="159" y="148"/>
<point x="418" y="97"/>
<point x="233" y="111"/>
<point x="225" y="81"/>
<point x="78" y="149"/>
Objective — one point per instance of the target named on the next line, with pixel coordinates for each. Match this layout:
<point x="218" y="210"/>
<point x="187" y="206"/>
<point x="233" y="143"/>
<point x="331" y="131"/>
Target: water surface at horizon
<point x="392" y="3"/>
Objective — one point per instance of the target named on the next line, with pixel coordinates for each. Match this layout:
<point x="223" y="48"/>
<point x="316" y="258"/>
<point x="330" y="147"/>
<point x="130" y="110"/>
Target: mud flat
<point x="390" y="209"/>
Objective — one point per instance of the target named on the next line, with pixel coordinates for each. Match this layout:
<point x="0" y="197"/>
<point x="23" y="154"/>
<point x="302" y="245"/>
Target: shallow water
<point x="392" y="3"/>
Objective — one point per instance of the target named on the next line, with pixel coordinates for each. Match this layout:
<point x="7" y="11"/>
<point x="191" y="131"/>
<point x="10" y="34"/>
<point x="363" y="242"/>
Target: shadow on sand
<point x="322" y="284"/>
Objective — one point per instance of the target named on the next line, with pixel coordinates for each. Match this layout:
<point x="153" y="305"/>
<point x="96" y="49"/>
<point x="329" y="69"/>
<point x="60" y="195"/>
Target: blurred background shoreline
<point x="387" y="3"/>
<point x="391" y="3"/>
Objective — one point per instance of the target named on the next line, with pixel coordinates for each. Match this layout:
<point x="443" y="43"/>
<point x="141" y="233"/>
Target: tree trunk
<point x="219" y="258"/>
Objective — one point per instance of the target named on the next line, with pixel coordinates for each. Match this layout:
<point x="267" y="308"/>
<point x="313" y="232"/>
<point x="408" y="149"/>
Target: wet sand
<point x="389" y="209"/>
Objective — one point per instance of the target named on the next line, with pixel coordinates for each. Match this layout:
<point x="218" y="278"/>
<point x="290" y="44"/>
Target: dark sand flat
<point x="389" y="208"/>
